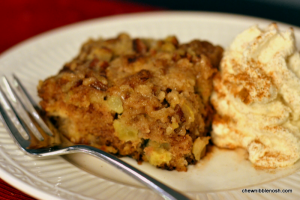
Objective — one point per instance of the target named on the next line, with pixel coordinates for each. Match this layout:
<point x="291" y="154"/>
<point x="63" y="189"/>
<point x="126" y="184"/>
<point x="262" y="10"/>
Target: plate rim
<point x="134" y="15"/>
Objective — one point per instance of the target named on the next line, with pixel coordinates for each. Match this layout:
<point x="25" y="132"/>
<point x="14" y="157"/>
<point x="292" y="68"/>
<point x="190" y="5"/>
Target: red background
<point x="21" y="19"/>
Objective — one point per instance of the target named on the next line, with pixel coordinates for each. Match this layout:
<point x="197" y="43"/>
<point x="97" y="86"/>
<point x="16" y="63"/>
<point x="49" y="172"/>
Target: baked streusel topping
<point x="144" y="98"/>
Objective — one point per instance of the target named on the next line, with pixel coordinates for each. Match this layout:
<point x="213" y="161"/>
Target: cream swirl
<point x="257" y="97"/>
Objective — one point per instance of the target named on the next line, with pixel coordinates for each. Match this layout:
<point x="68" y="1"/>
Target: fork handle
<point x="156" y="186"/>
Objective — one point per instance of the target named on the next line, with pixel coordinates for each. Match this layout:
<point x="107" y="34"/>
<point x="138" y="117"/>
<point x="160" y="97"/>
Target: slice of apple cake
<point x="144" y="98"/>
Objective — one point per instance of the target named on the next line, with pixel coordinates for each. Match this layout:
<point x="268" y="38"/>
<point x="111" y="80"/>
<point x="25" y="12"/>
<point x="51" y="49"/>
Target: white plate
<point x="221" y="175"/>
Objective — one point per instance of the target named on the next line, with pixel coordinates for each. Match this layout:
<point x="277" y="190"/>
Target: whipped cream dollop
<point x="257" y="97"/>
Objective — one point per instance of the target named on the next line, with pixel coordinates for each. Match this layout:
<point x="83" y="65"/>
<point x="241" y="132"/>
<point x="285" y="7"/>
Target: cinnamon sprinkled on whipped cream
<point x="257" y="97"/>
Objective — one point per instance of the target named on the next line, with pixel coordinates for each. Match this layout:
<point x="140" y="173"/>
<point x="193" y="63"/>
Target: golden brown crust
<point x="145" y="98"/>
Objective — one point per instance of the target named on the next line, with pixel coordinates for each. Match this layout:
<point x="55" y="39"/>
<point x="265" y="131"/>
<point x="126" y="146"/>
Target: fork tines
<point x="18" y="109"/>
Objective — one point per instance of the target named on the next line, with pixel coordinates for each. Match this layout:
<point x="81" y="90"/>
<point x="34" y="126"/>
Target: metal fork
<point x="20" y="115"/>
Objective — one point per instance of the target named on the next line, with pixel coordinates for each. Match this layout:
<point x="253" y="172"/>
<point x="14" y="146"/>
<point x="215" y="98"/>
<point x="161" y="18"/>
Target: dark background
<point x="287" y="11"/>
